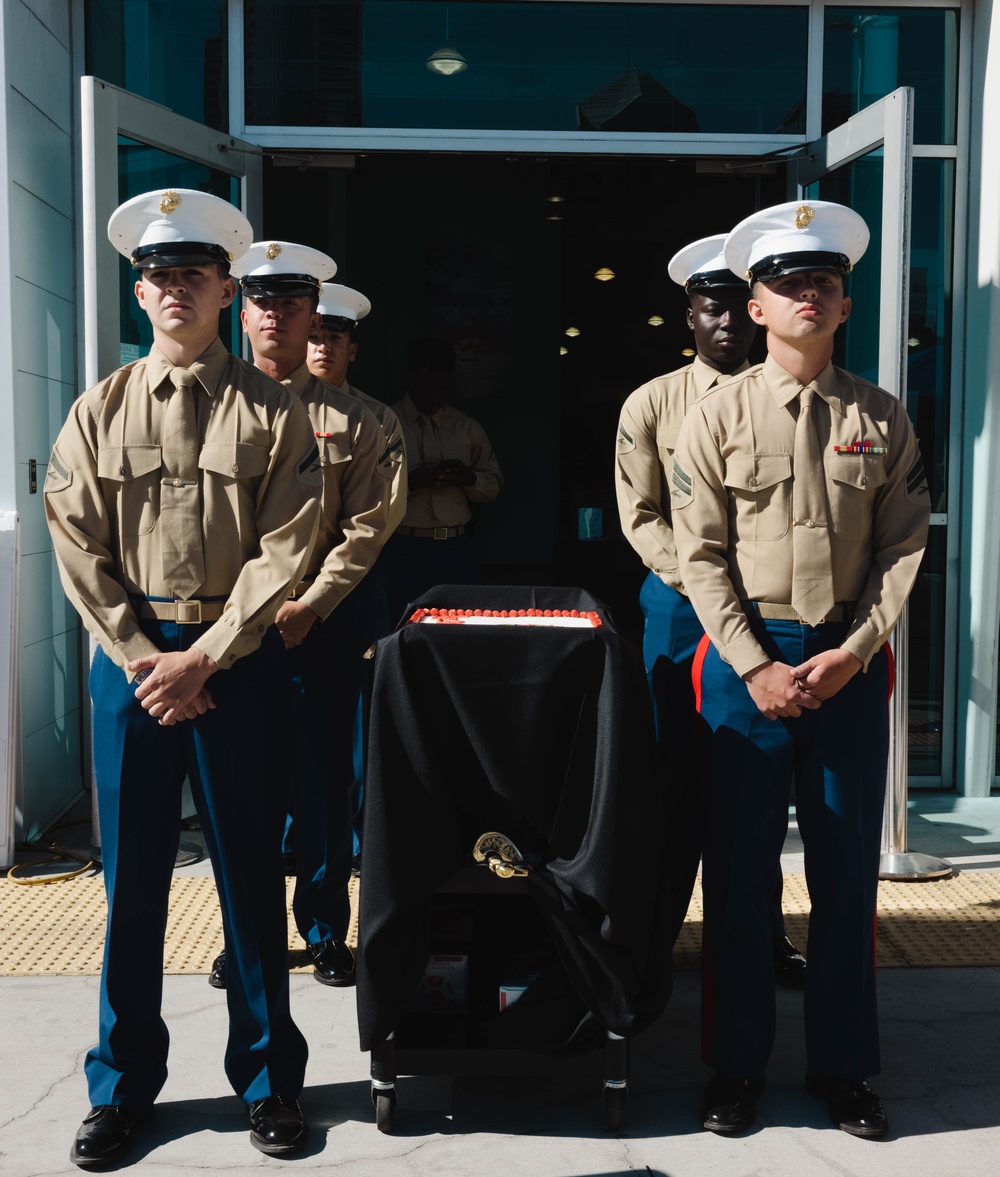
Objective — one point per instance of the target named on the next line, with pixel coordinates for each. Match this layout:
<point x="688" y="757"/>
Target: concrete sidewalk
<point x="941" y="1084"/>
<point x="940" y="1081"/>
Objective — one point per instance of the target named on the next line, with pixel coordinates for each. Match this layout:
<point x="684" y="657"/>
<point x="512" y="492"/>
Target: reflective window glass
<point x="929" y="340"/>
<point x="869" y="52"/>
<point x="169" y="51"/>
<point x="928" y="397"/>
<point x="142" y="169"/>
<point x="518" y="65"/>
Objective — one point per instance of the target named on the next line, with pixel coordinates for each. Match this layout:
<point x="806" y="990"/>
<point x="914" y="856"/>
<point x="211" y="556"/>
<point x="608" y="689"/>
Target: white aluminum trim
<point x="10" y="711"/>
<point x="360" y="139"/>
<point x="237" y="67"/>
<point x="106" y="113"/>
<point x="960" y="232"/>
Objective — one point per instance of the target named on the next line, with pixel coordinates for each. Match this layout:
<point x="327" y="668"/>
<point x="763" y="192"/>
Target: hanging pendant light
<point x="446" y="60"/>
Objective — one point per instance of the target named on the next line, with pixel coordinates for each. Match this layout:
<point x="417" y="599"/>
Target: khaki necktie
<point x="431" y="445"/>
<point x="181" y="553"/>
<point x="812" y="569"/>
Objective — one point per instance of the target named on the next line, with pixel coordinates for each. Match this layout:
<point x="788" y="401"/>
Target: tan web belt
<point x="182" y="612"/>
<point x="775" y="612"/>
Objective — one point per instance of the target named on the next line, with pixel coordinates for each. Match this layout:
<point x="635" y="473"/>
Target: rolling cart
<point x="513" y="889"/>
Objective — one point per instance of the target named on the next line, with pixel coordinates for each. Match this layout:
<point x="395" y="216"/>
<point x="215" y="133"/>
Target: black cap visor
<point x="279" y="285"/>
<point x="168" y="254"/>
<point x="713" y="280"/>
<point x="777" y="264"/>
<point x="338" y="323"/>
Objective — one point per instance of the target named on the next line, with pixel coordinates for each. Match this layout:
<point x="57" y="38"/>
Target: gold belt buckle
<point x="188" y="612"/>
<point x="441" y="532"/>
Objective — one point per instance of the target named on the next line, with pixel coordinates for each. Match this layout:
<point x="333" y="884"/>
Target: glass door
<point x="131" y="145"/>
<point x="867" y="163"/>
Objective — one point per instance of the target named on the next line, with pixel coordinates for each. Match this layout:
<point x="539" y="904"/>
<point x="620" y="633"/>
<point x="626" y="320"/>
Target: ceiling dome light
<point x="655" y="320"/>
<point x="555" y="199"/>
<point x="604" y="274"/>
<point x="564" y="351"/>
<point x="446" y="61"/>
<point x="572" y="332"/>
<point x="688" y="351"/>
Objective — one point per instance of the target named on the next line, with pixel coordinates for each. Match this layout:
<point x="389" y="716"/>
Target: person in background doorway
<point x="800" y="509"/>
<point x="650" y="420"/>
<point x="451" y="466"/>
<point x="183" y="498"/>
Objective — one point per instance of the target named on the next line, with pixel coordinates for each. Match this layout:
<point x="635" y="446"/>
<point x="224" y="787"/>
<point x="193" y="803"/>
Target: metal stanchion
<point x="897" y="862"/>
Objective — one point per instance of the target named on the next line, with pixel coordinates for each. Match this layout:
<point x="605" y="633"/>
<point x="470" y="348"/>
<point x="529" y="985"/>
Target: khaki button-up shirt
<point x="647" y="434"/>
<point x="731" y="495"/>
<point x="447" y="434"/>
<point x="259" y="487"/>
<point x="393" y="456"/>
<point x="356" y="487"/>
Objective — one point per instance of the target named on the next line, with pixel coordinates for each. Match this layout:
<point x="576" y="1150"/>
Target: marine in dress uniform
<point x="450" y="466"/>
<point x="647" y="433"/>
<point x="800" y="509"/>
<point x="333" y="347"/>
<point x="183" y="497"/>
<point x="281" y="282"/>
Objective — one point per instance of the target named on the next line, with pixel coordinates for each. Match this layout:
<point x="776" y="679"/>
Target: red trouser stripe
<point x="696" y="667"/>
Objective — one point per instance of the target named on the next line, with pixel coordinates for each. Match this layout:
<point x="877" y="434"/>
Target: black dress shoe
<point x="277" y="1125"/>
<point x="217" y="977"/>
<point x="854" y="1107"/>
<point x="105" y="1135"/>
<point x="728" y="1104"/>
<point x="789" y="964"/>
<point x="333" y="962"/>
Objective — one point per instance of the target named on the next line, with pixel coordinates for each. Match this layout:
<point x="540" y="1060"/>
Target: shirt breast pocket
<point x="666" y="443"/>
<point x="131" y="477"/>
<point x="854" y="480"/>
<point x="233" y="473"/>
<point x="234" y="459"/>
<point x="333" y="457"/>
<point x="760" y="485"/>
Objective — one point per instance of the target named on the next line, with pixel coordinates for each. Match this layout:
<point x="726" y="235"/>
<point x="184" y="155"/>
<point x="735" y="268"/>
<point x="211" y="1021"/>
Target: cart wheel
<point x="385" y="1107"/>
<point x="614" y="1105"/>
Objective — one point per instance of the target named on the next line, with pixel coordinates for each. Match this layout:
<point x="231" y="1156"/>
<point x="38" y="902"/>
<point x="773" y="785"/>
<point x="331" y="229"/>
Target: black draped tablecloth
<point x="545" y="735"/>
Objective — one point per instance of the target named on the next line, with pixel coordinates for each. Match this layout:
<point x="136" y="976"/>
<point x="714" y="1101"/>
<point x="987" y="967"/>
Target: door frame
<point x="108" y="112"/>
<point x="886" y="125"/>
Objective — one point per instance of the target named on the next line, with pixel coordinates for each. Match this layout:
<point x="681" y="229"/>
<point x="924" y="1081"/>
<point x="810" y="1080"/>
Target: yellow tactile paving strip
<point x="58" y="930"/>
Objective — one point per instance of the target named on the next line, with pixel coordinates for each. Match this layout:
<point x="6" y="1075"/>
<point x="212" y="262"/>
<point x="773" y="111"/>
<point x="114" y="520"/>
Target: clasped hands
<point x="175" y="690"/>
<point x="784" y="692"/>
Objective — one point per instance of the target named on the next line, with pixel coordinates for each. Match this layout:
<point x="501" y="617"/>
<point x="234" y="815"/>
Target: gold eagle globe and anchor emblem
<point x="499" y="853"/>
<point x="169" y="201"/>
<point x="272" y="251"/>
<point x="803" y="215"/>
